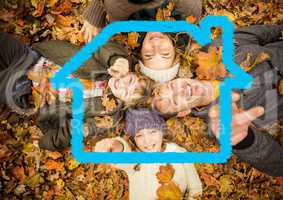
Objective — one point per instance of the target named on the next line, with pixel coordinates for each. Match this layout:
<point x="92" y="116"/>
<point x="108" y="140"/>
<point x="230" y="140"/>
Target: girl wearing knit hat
<point x="147" y="129"/>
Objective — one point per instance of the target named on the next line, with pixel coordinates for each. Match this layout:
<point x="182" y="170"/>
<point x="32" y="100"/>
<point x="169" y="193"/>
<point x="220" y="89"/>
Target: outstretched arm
<point x="258" y="34"/>
<point x="261" y="151"/>
<point x="252" y="146"/>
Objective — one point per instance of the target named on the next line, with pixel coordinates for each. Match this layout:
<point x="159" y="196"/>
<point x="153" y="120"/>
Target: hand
<point x="120" y="68"/>
<point x="241" y="120"/>
<point x="89" y="31"/>
<point x="108" y="145"/>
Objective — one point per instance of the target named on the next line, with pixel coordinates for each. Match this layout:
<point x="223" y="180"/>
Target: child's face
<point x="157" y="51"/>
<point x="149" y="140"/>
<point x="127" y="88"/>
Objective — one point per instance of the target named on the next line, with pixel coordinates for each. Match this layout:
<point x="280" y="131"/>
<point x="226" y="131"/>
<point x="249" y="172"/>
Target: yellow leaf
<point x="28" y="148"/>
<point x="133" y="40"/>
<point x="230" y="15"/>
<point x="72" y="163"/>
<point x="52" y="3"/>
<point x="109" y="104"/>
<point x="169" y="191"/>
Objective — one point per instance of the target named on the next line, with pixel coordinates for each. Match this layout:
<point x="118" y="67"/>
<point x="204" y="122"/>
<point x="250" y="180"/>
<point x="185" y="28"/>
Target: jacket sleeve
<point x="264" y="153"/>
<point x="55" y="124"/>
<point x="258" y="34"/>
<point x="108" y="53"/>
<point x="95" y="13"/>
<point x="189" y="7"/>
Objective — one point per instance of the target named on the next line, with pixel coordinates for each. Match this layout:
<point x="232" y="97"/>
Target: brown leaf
<point x="210" y="65"/>
<point x="281" y="87"/>
<point x="165" y="174"/>
<point x="51" y="164"/>
<point x="39" y="9"/>
<point x="103" y="122"/>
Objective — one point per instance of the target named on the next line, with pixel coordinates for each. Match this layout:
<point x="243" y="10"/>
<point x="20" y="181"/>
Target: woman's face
<point x="127" y="88"/>
<point x="149" y="140"/>
<point x="157" y="51"/>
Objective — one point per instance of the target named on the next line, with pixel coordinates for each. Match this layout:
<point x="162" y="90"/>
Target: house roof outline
<point x="202" y="35"/>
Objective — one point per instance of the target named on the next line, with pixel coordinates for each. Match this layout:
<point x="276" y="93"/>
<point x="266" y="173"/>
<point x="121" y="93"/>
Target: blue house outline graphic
<point x="202" y="34"/>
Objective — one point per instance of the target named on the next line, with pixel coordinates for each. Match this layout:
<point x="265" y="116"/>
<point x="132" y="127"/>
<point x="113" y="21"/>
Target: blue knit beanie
<point x="143" y="118"/>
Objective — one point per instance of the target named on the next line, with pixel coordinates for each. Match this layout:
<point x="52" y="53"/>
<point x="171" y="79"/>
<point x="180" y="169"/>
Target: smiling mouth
<point x="156" y="35"/>
<point x="150" y="147"/>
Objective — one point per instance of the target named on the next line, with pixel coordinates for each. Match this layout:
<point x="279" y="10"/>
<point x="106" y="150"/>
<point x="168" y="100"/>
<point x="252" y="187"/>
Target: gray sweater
<point x="97" y="10"/>
<point x="259" y="149"/>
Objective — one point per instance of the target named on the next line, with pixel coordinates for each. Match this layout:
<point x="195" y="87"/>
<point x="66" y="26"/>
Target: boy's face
<point x="157" y="51"/>
<point x="149" y="140"/>
<point x="127" y="88"/>
<point x="181" y="95"/>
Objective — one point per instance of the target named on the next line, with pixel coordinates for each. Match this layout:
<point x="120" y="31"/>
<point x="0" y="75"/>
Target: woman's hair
<point x="145" y="89"/>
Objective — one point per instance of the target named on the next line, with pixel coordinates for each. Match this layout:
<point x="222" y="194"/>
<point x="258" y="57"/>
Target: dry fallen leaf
<point x="165" y="174"/>
<point x="281" y="87"/>
<point x="210" y="66"/>
<point x="169" y="191"/>
<point x="103" y="122"/>
<point x="109" y="104"/>
<point x="51" y="164"/>
<point x="132" y="40"/>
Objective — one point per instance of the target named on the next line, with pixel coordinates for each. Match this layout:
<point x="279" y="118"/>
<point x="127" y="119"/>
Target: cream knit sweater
<point x="143" y="183"/>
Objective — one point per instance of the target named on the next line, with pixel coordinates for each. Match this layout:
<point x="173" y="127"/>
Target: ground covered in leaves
<point x="30" y="173"/>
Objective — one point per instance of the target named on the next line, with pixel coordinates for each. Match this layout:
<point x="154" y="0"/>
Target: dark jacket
<point x="54" y="120"/>
<point x="96" y="12"/>
<point x="259" y="149"/>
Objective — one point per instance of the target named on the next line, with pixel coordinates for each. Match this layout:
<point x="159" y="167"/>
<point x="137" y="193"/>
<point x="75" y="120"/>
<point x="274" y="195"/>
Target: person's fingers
<point x="245" y="117"/>
<point x="238" y="136"/>
<point x="214" y="112"/>
<point x="235" y="97"/>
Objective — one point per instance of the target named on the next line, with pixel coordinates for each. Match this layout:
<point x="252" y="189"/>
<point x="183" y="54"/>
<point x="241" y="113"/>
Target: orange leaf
<point x="54" y="154"/>
<point x="19" y="173"/>
<point x="210" y="65"/>
<point x="133" y="40"/>
<point x="39" y="9"/>
<point x="65" y="21"/>
<point x="169" y="191"/>
<point x="191" y="19"/>
<point x="281" y="87"/>
<point x="51" y="164"/>
<point x="280" y="180"/>
<point x="109" y="104"/>
<point x="165" y="173"/>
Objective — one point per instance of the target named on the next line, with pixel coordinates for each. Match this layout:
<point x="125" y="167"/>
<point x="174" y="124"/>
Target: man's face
<point x="181" y="95"/>
<point x="127" y="88"/>
<point x="149" y="140"/>
<point x="157" y="51"/>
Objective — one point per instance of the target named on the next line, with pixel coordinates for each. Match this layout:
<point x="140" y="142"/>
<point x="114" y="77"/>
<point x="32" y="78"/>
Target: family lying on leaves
<point x="150" y="77"/>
